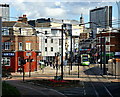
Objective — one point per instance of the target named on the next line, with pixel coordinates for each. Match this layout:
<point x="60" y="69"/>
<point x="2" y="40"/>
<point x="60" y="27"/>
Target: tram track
<point x="97" y="84"/>
<point x="89" y="80"/>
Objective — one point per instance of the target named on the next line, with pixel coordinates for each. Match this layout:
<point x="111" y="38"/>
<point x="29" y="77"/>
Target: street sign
<point x="8" y="54"/>
<point x="28" y="54"/>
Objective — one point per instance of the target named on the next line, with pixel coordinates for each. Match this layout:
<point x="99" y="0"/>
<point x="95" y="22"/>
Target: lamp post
<point x="0" y="56"/>
<point x="29" y="67"/>
<point x="62" y="53"/>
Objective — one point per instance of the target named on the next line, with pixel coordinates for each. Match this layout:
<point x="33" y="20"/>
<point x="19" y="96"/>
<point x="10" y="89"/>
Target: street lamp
<point x="62" y="53"/>
<point x="0" y="56"/>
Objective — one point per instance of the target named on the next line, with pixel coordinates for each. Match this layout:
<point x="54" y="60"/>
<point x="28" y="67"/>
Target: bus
<point x="85" y="59"/>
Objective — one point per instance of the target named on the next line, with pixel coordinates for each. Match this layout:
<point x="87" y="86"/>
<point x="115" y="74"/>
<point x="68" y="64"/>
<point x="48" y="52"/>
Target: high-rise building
<point x="118" y="6"/>
<point x="101" y="16"/>
<point x="4" y="12"/>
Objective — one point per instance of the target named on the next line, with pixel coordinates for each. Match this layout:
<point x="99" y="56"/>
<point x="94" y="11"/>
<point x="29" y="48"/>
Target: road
<point x="94" y="85"/>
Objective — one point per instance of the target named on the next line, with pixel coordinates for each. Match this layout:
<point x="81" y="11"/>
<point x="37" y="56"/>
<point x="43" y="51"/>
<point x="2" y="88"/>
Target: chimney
<point x="81" y="19"/>
<point x="23" y="19"/>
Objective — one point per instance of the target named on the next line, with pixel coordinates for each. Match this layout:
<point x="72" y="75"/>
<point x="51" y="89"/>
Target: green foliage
<point x="8" y="90"/>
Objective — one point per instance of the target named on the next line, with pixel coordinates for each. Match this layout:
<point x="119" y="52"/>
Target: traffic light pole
<point x="62" y="54"/>
<point x="104" y="54"/>
<point x="23" y="73"/>
<point x="29" y="67"/>
<point x="101" y="51"/>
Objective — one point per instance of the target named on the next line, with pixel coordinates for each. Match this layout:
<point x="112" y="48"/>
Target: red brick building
<point x="112" y="43"/>
<point x="19" y="42"/>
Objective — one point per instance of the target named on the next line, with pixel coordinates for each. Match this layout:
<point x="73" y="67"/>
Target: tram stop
<point x="114" y="67"/>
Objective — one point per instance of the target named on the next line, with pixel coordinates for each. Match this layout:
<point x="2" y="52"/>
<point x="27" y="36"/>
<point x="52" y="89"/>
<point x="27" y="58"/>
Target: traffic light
<point x="91" y="34"/>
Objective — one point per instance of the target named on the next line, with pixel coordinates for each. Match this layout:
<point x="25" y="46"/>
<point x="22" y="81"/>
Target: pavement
<point x="49" y="73"/>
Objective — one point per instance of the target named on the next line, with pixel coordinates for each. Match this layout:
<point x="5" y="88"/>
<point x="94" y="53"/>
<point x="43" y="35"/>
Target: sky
<point x="59" y="9"/>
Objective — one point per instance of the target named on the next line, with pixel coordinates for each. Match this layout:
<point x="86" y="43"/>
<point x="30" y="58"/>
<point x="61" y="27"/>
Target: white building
<point x="4" y="12"/>
<point x="49" y="33"/>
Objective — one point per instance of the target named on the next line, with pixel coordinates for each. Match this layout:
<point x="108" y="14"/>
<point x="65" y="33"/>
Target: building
<point x="111" y="43"/>
<point x="4" y="12"/>
<point x="18" y="43"/>
<point x="49" y="33"/>
<point x="102" y="17"/>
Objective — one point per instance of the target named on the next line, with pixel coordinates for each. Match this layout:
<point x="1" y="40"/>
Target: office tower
<point x="4" y="12"/>
<point x="102" y="16"/>
<point x="118" y="6"/>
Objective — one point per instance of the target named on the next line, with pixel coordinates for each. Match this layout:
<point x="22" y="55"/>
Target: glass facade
<point x="101" y="18"/>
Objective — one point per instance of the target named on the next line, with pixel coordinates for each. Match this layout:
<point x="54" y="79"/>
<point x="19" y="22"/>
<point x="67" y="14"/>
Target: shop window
<point x="5" y="61"/>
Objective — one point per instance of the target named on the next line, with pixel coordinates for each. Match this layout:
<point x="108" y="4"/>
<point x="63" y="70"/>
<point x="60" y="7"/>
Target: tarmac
<point x="30" y="90"/>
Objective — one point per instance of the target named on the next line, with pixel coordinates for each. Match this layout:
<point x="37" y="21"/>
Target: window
<point x="46" y="49"/>
<point x="51" y="48"/>
<point x="45" y="32"/>
<point x="60" y="41"/>
<point x="5" y="31"/>
<point x="20" y="45"/>
<point x="19" y="61"/>
<point x="7" y="45"/>
<point x="28" y="46"/>
<point x="107" y="39"/>
<point x="51" y="40"/>
<point x="45" y="40"/>
<point x="107" y="47"/>
<point x="5" y="61"/>
<point x="3" y="47"/>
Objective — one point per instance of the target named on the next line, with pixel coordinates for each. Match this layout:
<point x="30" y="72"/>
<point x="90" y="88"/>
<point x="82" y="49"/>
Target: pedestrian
<point x="50" y="64"/>
<point x="65" y="64"/>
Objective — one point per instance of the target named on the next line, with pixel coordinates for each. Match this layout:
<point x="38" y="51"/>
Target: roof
<point x="8" y="24"/>
<point x="14" y="24"/>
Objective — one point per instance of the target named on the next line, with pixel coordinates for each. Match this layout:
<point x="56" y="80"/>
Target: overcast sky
<point x="59" y="9"/>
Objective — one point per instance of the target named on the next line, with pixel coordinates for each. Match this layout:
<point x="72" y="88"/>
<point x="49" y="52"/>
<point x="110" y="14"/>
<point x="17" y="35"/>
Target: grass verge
<point x="9" y="90"/>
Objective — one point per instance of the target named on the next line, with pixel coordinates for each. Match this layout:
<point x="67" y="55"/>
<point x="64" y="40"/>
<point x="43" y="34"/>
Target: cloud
<point x="35" y="9"/>
<point x="59" y="0"/>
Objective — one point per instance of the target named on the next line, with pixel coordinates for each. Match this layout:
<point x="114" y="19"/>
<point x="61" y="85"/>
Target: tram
<point x="85" y="59"/>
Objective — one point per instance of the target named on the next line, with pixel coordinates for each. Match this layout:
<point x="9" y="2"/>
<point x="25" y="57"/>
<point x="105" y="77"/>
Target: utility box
<point x="118" y="66"/>
<point x="114" y="66"/>
<point x="110" y="66"/>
